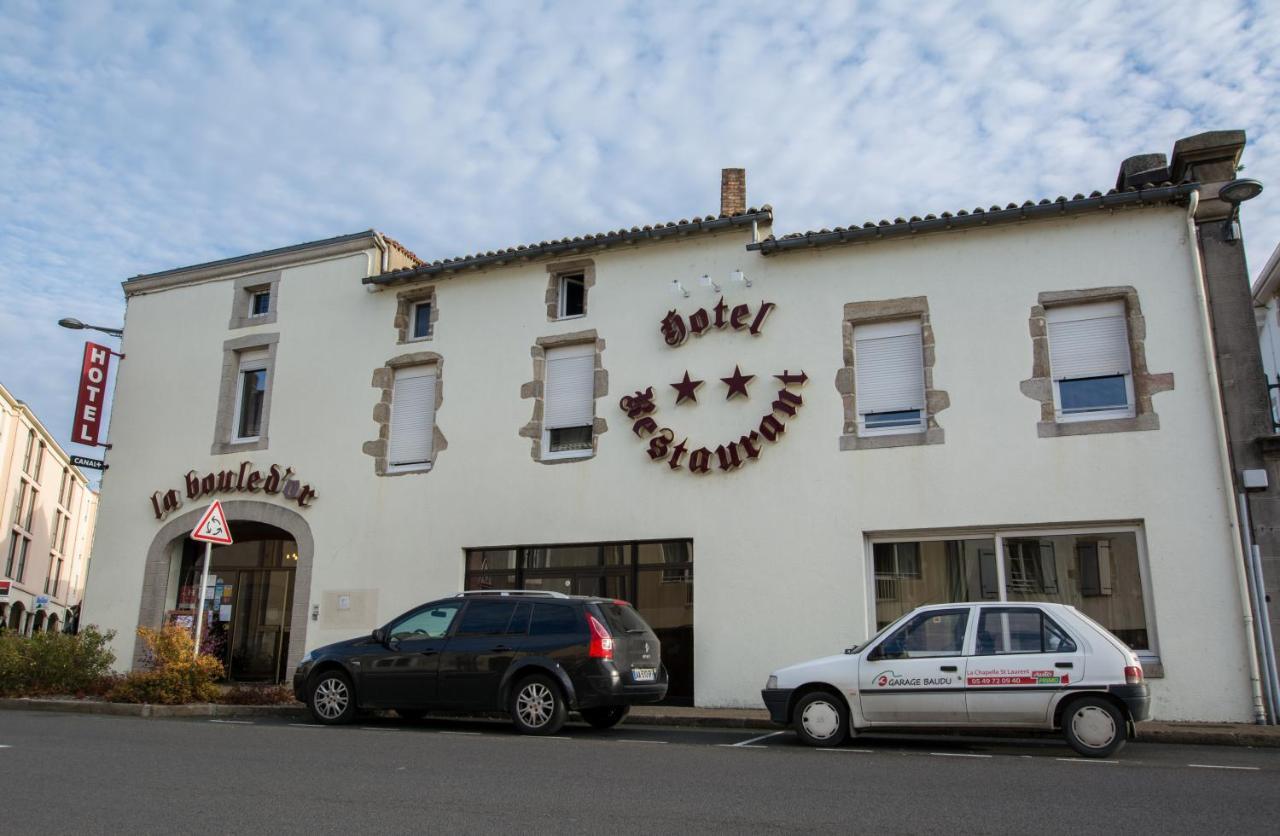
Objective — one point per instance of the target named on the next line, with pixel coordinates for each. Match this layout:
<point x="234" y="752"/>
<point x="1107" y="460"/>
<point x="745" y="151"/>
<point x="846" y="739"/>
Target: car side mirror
<point x="380" y="635"/>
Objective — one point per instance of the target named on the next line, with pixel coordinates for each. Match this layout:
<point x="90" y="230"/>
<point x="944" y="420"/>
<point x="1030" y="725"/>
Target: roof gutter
<point x="1062" y="207"/>
<point x="568" y="246"/>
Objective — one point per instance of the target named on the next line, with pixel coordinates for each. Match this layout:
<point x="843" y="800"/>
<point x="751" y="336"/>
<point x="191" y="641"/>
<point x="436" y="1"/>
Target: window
<point x="259" y="302"/>
<point x="32" y="498"/>
<point x="251" y="392"/>
<point x="431" y="623"/>
<point x="62" y="487"/>
<point x="552" y="619"/>
<point x="889" y="367"/>
<point x="933" y="633"/>
<point x="573" y="296"/>
<point x="1089" y="361"/>
<point x="1100" y="573"/>
<point x="39" y="461"/>
<point x="569" y="394"/>
<point x="26" y="457"/>
<point x="421" y="320"/>
<point x="413" y="409"/>
<point x="1003" y="630"/>
<point x="16" y="564"/>
<point x="19" y="501"/>
<point x="486" y="618"/>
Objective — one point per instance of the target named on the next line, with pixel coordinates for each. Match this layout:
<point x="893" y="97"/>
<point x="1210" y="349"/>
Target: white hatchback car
<point x="975" y="665"/>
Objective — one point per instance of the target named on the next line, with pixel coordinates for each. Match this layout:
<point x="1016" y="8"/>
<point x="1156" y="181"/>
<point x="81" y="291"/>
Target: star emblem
<point x="737" y="383"/>
<point x="685" y="389"/>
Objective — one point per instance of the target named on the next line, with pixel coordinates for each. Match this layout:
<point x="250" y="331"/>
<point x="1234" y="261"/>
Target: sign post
<point x="211" y="529"/>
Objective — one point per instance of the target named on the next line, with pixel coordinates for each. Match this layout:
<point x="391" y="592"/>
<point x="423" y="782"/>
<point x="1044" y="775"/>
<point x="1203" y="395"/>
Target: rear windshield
<point x="621" y="617"/>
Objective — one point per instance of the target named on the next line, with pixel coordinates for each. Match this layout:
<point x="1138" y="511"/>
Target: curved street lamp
<point x="76" y="325"/>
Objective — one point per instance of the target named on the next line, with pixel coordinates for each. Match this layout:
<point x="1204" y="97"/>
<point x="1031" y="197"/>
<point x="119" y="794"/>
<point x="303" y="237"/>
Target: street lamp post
<point x="77" y="325"/>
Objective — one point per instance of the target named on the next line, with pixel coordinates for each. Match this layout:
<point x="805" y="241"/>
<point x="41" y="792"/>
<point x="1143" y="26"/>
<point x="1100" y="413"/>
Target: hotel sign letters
<point x="91" y="394"/>
<point x="641" y="407"/>
<point x="277" y="480"/>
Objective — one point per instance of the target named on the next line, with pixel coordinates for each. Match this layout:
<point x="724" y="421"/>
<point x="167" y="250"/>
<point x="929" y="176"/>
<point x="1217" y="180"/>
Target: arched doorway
<point x="38" y="624"/>
<point x="17" y="613"/>
<point x="258" y="591"/>
<point x="53" y="624"/>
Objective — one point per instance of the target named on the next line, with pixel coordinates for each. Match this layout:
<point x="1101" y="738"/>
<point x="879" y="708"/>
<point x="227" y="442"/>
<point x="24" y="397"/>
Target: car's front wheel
<point x="536" y="706"/>
<point x="1094" y="727"/>
<point x="605" y="717"/>
<point x="820" y="719"/>
<point x="332" y="700"/>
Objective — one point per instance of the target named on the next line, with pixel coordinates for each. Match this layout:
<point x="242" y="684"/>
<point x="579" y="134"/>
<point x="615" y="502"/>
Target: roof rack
<point x="535" y="592"/>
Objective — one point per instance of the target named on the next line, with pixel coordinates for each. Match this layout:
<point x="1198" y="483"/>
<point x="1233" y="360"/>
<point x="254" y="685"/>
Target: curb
<point x="1200" y="735"/>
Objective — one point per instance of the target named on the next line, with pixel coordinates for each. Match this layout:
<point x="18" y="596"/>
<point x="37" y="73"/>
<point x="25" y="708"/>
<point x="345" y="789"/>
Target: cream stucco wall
<point x="779" y="545"/>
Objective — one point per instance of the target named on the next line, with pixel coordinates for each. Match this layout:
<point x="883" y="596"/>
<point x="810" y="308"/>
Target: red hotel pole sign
<point x="92" y="393"/>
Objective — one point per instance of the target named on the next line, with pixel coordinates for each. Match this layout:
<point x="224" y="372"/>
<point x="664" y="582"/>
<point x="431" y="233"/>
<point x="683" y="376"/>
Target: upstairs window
<point x="413" y="413"/>
<point x="569" y="395"/>
<point x="259" y="302"/>
<point x="573" y="296"/>
<point x="251" y="392"/>
<point x="421" y="321"/>
<point x="889" y="368"/>
<point x="1090" y="362"/>
<point x="26" y="458"/>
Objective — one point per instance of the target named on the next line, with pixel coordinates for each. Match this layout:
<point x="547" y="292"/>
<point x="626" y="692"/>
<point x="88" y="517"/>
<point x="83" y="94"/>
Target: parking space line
<point x="1083" y="760"/>
<point x="959" y="755"/>
<point x="858" y="751"/>
<point x="636" y="740"/>
<point x="1219" y="766"/>
<point x="377" y="728"/>
<point x="757" y="739"/>
<point x="459" y="732"/>
<point x="306" y="726"/>
<point x="234" y="722"/>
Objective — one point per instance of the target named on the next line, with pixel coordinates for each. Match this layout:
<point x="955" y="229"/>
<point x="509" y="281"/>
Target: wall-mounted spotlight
<point x="678" y="289"/>
<point x="739" y="277"/>
<point x="1235" y="193"/>
<point x="707" y="282"/>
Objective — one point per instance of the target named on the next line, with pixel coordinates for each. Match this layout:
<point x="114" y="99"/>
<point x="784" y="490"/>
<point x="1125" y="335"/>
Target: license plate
<point x="642" y="674"/>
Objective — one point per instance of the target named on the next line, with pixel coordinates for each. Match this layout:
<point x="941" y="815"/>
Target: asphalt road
<point x="90" y="774"/>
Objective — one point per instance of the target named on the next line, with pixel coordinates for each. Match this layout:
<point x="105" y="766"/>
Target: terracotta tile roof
<point x="408" y="253"/>
<point x="1147" y="195"/>
<point x="579" y="243"/>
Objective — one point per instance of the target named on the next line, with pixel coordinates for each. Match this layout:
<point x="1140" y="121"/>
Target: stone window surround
<point x="936" y="400"/>
<point x="534" y="389"/>
<point x="224" y="421"/>
<point x="1039" y="387"/>
<point x="405" y="301"/>
<point x="384" y="380"/>
<point x="245" y="287"/>
<point x="559" y="270"/>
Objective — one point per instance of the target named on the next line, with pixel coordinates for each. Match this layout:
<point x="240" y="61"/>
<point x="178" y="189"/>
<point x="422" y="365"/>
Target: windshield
<point x="858" y="648"/>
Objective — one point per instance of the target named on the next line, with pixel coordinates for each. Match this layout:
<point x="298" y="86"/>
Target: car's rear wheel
<point x="332" y="700"/>
<point x="411" y="714"/>
<point x="605" y="717"/>
<point x="820" y="719"/>
<point x="1094" y="727"/>
<point x="536" y="706"/>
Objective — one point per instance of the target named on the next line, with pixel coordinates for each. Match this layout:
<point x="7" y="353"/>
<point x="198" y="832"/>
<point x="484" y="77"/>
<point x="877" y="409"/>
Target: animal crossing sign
<point x="641" y="407"/>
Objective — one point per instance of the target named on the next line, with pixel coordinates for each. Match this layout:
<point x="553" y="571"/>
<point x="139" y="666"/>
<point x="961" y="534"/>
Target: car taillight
<point x="1133" y="675"/>
<point x="601" y="640"/>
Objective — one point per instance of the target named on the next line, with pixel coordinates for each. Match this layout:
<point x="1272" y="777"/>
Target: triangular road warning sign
<point x="212" y="527"/>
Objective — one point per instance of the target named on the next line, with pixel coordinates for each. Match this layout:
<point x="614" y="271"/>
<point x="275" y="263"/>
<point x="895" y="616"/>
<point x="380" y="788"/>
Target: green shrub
<point x="173" y="675"/>
<point x="55" y="663"/>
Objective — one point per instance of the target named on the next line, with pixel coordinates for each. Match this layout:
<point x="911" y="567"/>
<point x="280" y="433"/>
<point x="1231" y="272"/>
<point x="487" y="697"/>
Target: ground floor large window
<point x="1099" y="571"/>
<point x="656" y="577"/>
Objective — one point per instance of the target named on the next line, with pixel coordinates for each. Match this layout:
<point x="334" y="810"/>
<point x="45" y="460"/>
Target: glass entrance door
<point x="259" y="637"/>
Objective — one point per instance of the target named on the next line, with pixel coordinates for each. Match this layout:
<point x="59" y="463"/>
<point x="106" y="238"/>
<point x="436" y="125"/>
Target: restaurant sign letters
<point x="276" y="481"/>
<point x="641" y="407"/>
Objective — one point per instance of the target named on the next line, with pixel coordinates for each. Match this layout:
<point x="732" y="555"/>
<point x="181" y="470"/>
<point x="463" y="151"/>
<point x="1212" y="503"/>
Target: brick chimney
<point x="733" y="191"/>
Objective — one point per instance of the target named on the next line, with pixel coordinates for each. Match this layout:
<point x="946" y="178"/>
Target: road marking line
<point x="234" y="722"/>
<point x="739" y="746"/>
<point x="756" y="739"/>
<point x="5" y="746"/>
<point x="377" y="728"/>
<point x="859" y="751"/>
<point x="958" y="755"/>
<point x="1219" y="766"/>
<point x="1083" y="760"/>
<point x="459" y="732"/>
<point x="636" y="740"/>
<point x="306" y="726"/>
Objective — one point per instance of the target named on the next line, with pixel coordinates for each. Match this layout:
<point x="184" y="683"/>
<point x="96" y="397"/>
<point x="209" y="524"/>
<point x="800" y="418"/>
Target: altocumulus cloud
<point x="135" y="137"/>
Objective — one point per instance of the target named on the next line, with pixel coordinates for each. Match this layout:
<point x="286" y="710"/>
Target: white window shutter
<point x="889" y="363"/>
<point x="413" y="415"/>
<point x="569" y="389"/>
<point x="1088" y="341"/>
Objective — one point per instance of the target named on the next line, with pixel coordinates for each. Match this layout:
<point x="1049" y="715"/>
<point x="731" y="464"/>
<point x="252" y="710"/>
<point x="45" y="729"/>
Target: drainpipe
<point x="1224" y="455"/>
<point x="1258" y="601"/>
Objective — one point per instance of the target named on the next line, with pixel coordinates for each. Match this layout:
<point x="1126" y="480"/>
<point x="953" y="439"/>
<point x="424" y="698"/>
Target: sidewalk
<point x="1212" y="734"/>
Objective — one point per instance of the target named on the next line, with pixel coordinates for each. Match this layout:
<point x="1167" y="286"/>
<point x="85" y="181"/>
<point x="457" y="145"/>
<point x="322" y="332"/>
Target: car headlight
<point x="772" y="683"/>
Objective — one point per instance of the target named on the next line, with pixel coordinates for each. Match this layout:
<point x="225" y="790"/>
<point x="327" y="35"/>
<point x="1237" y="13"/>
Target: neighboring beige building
<point x="48" y="514"/>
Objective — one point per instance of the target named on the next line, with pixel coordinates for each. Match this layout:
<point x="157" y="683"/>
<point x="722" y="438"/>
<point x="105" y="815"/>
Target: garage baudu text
<point x="277" y="480"/>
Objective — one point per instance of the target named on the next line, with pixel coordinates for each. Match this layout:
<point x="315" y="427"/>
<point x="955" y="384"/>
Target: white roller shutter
<point x="1088" y="341"/>
<point x="889" y="362"/>
<point x="413" y="414"/>
<point x="569" y="390"/>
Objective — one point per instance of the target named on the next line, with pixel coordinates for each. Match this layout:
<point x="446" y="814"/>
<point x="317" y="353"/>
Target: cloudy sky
<point x="136" y="137"/>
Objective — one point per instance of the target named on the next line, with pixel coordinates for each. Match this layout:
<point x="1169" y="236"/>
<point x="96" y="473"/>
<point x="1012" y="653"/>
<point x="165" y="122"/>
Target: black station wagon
<point x="534" y="655"/>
